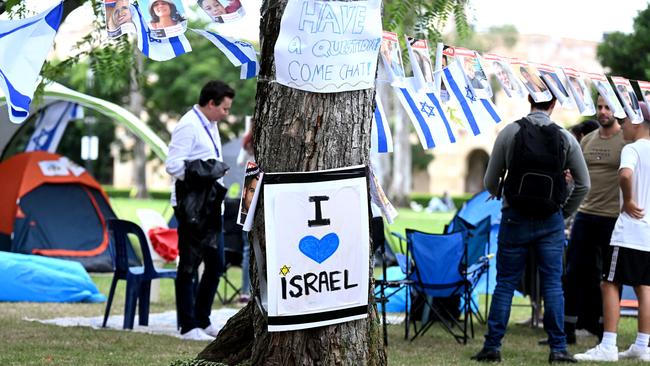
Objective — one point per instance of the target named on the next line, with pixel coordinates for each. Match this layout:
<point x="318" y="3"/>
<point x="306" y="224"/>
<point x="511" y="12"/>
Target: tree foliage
<point x="628" y="55"/>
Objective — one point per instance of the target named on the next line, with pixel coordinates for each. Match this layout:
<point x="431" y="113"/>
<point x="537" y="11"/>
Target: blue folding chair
<point x="441" y="270"/>
<point x="138" y="279"/>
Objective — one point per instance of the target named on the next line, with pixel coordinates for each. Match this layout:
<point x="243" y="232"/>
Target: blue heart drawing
<point x="319" y="250"/>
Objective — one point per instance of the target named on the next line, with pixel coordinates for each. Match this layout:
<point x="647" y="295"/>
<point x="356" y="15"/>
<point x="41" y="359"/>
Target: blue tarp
<point x="25" y="277"/>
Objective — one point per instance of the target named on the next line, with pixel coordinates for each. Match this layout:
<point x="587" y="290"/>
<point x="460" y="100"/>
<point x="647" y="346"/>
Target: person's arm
<point x="497" y="163"/>
<point x="179" y="149"/>
<point x="629" y="206"/>
<point x="578" y="168"/>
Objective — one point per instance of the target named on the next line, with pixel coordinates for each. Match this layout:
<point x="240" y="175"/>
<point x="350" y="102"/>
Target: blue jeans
<point x="518" y="234"/>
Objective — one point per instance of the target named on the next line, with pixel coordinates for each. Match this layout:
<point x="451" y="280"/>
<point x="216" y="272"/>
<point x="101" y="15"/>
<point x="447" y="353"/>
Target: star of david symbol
<point x="285" y="270"/>
<point x="427" y="109"/>
<point x="469" y="94"/>
<point x="41" y="138"/>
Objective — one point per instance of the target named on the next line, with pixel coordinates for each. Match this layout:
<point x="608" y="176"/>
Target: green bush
<point x="424" y="198"/>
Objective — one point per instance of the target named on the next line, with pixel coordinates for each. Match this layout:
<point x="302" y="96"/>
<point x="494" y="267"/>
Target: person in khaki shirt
<point x="593" y="226"/>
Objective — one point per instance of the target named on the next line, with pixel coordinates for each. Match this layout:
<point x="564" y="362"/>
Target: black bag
<point x="535" y="184"/>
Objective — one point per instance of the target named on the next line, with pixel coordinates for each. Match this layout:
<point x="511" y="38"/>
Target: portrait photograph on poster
<point x="222" y="11"/>
<point x="391" y="57"/>
<point x="628" y="98"/>
<point x="118" y="18"/>
<point x="554" y="82"/>
<point x="607" y="92"/>
<point x="475" y="75"/>
<point x="508" y="81"/>
<point x="421" y="65"/>
<point x="166" y="18"/>
<point x="580" y="91"/>
<point x="529" y="77"/>
<point x="644" y="87"/>
<point x="248" y="201"/>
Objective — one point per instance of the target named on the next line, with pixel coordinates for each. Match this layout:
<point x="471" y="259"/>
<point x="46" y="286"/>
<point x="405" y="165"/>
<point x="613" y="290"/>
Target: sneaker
<point x="211" y="331"/>
<point x="635" y="352"/>
<point x="598" y="353"/>
<point x="197" y="334"/>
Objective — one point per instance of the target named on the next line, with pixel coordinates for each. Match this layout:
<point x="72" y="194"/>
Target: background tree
<point x="627" y="54"/>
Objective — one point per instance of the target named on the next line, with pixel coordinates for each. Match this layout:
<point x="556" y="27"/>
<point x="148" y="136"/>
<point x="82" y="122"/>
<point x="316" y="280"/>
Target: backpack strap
<point x="502" y="177"/>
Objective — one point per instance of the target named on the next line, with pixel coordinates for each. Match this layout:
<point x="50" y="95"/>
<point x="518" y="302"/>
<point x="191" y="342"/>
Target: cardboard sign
<point x="317" y="247"/>
<point x="328" y="46"/>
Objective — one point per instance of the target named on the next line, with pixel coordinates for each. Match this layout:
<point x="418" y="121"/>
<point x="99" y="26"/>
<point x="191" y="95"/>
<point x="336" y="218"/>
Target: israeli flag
<point x="157" y="49"/>
<point x="426" y="114"/>
<point x="240" y="53"/>
<point x="24" y="44"/>
<point x="479" y="114"/>
<point x="381" y="140"/>
<point x="51" y="124"/>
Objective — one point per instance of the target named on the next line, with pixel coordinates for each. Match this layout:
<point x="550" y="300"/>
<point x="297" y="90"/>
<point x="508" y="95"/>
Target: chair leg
<point x="144" y="298"/>
<point x="109" y="302"/>
<point x="130" y="302"/>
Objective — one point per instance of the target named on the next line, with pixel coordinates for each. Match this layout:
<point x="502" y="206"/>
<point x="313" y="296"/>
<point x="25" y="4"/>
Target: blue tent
<point x="26" y="277"/>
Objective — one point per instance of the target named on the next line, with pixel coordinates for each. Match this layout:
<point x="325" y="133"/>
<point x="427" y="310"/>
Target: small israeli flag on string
<point x="24" y="44"/>
<point x="479" y="114"/>
<point x="51" y="124"/>
<point x="157" y="49"/>
<point x="381" y="139"/>
<point x="240" y="53"/>
<point x="427" y="115"/>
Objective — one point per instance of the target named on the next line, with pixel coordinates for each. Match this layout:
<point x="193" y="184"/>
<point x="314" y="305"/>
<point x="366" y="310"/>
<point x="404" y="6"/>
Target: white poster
<point x="118" y="18"/>
<point x="529" y="77"/>
<point x="501" y="69"/>
<point x="474" y="74"/>
<point x="607" y="92"/>
<point x="165" y="18"/>
<point x="328" y="46"/>
<point x="644" y="86"/>
<point x="628" y="98"/>
<point x="222" y="11"/>
<point x="580" y="92"/>
<point x="421" y="62"/>
<point x="317" y="247"/>
<point x="554" y="81"/>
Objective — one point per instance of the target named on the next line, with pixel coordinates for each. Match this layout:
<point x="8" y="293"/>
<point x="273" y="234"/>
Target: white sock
<point x="609" y="340"/>
<point x="642" y="340"/>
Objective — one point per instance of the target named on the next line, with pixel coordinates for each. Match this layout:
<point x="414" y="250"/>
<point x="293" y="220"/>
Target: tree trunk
<point x="300" y="131"/>
<point x="136" y="105"/>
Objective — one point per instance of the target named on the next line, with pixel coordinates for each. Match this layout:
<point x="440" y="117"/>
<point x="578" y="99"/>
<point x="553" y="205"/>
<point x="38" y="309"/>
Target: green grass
<point x="428" y="222"/>
<point x="32" y="343"/>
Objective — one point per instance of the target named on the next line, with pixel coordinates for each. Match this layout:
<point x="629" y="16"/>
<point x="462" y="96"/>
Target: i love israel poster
<point x="317" y="247"/>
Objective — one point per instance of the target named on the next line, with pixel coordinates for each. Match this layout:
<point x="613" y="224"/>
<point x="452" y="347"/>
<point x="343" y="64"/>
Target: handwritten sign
<point x="328" y="46"/>
<point x="317" y="247"/>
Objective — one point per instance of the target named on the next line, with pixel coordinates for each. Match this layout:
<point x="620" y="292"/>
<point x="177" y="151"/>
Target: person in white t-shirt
<point x="628" y="262"/>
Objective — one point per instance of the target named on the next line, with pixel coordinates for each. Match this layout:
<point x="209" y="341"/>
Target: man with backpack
<point x="529" y="163"/>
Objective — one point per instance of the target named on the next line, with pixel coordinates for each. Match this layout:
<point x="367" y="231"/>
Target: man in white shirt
<point x="628" y="262"/>
<point x="196" y="137"/>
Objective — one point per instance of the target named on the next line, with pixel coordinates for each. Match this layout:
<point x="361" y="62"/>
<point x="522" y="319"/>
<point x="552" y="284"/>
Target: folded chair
<point x="441" y="270"/>
<point x="138" y="279"/>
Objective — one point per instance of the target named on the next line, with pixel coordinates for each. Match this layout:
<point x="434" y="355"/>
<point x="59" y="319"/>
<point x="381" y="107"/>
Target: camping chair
<point x="138" y="279"/>
<point x="441" y="270"/>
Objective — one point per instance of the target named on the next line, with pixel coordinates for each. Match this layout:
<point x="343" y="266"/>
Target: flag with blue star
<point x="478" y="114"/>
<point x="427" y="115"/>
<point x="50" y="125"/>
<point x="381" y="140"/>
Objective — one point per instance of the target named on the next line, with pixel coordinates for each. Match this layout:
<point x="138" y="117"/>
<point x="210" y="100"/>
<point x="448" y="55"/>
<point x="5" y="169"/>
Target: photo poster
<point x="474" y="73"/>
<point x="165" y="18"/>
<point x="328" y="46"/>
<point x="392" y="69"/>
<point x="118" y="18"/>
<point x="529" y="77"/>
<point x="508" y="81"/>
<point x="249" y="194"/>
<point x="222" y="11"/>
<point x="379" y="198"/>
<point x="421" y="65"/>
<point x="607" y="92"/>
<point x="317" y="247"/>
<point x="580" y="91"/>
<point x="628" y="98"/>
<point x="554" y="82"/>
<point x="644" y="87"/>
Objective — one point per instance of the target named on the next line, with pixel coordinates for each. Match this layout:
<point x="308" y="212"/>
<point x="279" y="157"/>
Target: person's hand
<point x="631" y="208"/>
<point x="568" y="178"/>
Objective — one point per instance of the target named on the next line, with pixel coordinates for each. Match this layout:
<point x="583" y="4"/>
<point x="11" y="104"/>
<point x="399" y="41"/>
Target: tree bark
<point x="136" y="105"/>
<point x="298" y="131"/>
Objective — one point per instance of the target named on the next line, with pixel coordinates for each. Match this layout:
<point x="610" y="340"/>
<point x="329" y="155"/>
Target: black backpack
<point x="535" y="183"/>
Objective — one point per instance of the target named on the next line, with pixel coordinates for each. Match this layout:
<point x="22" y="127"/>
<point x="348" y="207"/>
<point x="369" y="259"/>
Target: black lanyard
<point x="207" y="130"/>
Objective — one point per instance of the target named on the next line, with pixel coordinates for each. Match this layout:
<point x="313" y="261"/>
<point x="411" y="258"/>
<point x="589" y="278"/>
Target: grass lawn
<point x="30" y="343"/>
